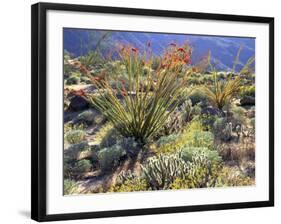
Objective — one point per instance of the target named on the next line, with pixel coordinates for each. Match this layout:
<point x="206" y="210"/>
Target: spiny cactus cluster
<point x="161" y="171"/>
<point x="202" y="173"/>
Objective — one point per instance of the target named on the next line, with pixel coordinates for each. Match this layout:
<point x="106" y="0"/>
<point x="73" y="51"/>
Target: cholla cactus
<point x="228" y="131"/>
<point x="202" y="173"/>
<point x="161" y="171"/>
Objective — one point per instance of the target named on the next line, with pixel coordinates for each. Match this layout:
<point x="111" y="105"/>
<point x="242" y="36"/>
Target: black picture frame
<point x="38" y="108"/>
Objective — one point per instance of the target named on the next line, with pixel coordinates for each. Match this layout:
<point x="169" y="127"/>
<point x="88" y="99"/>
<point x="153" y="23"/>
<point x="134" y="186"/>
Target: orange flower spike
<point x="135" y="49"/>
<point x="180" y="49"/>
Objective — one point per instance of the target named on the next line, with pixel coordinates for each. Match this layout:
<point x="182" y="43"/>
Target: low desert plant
<point x="192" y="135"/>
<point x="189" y="152"/>
<point x="75" y="136"/>
<point x="69" y="187"/>
<point x="110" y="157"/>
<point x="232" y="176"/>
<point x="81" y="167"/>
<point x="149" y="100"/>
<point x="131" y="185"/>
<point x="128" y="182"/>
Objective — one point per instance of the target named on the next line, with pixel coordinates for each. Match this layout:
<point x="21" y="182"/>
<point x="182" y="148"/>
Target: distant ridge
<point x="224" y="49"/>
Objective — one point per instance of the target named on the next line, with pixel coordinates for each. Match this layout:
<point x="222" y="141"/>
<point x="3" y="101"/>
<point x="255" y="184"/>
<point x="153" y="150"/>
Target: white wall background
<point x="15" y="110"/>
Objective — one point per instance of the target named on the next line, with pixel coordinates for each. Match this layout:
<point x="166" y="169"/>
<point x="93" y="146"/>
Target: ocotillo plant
<point x="139" y="105"/>
<point x="222" y="91"/>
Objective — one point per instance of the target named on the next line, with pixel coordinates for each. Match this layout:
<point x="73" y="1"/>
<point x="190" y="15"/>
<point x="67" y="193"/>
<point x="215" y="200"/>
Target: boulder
<point x="78" y="103"/>
<point x="247" y="100"/>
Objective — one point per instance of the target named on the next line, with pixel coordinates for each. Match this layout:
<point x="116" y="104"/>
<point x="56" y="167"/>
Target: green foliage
<point x="72" y="153"/>
<point x="69" y="187"/>
<point x="75" y="169"/>
<point x="223" y="90"/>
<point x="223" y="128"/>
<point x="232" y="176"/>
<point x="174" y="123"/>
<point x="167" y="139"/>
<point x="141" y="112"/>
<point x="198" y="138"/>
<point x="75" y="136"/>
<point x="161" y="171"/>
<point x="247" y="91"/>
<point x="238" y="115"/>
<point x="192" y="135"/>
<point x="202" y="173"/>
<point x="197" y="97"/>
<point x="73" y="79"/>
<point x="110" y="157"/>
<point x="81" y="167"/>
<point x="189" y="152"/>
<point x="91" y="58"/>
<point x="189" y="110"/>
<point x="129" y="182"/>
<point x="137" y="184"/>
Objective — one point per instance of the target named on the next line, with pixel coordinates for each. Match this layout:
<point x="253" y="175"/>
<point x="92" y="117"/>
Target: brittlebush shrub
<point x="232" y="176"/>
<point x="75" y="136"/>
<point x="193" y="135"/>
<point x="131" y="185"/>
<point x="69" y="187"/>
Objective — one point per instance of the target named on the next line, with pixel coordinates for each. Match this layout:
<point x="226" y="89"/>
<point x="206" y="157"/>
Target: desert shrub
<point x="247" y="91"/>
<point x="232" y="176"/>
<point x="160" y="171"/>
<point x="73" y="79"/>
<point x="174" y="123"/>
<point x="194" y="81"/>
<point x="70" y="127"/>
<point x="69" y="187"/>
<point x="198" y="97"/>
<point x="106" y="136"/>
<point x="128" y="182"/>
<point x="137" y="184"/>
<point x="192" y="135"/>
<point x="110" y="157"/>
<point x="142" y="112"/>
<point x="188" y="153"/>
<point x="190" y="111"/>
<point x="81" y="167"/>
<point x="72" y="153"/>
<point x="253" y="122"/>
<point x="86" y="117"/>
<point x="199" y="138"/>
<point x="130" y="145"/>
<point x="238" y="115"/>
<point x="222" y="129"/>
<point x="166" y="139"/>
<point x="202" y="173"/>
<point x="75" y="136"/>
<point x="75" y="169"/>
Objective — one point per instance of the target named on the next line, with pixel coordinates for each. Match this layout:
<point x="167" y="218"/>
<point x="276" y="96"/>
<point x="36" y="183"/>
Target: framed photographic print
<point x="139" y="111"/>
